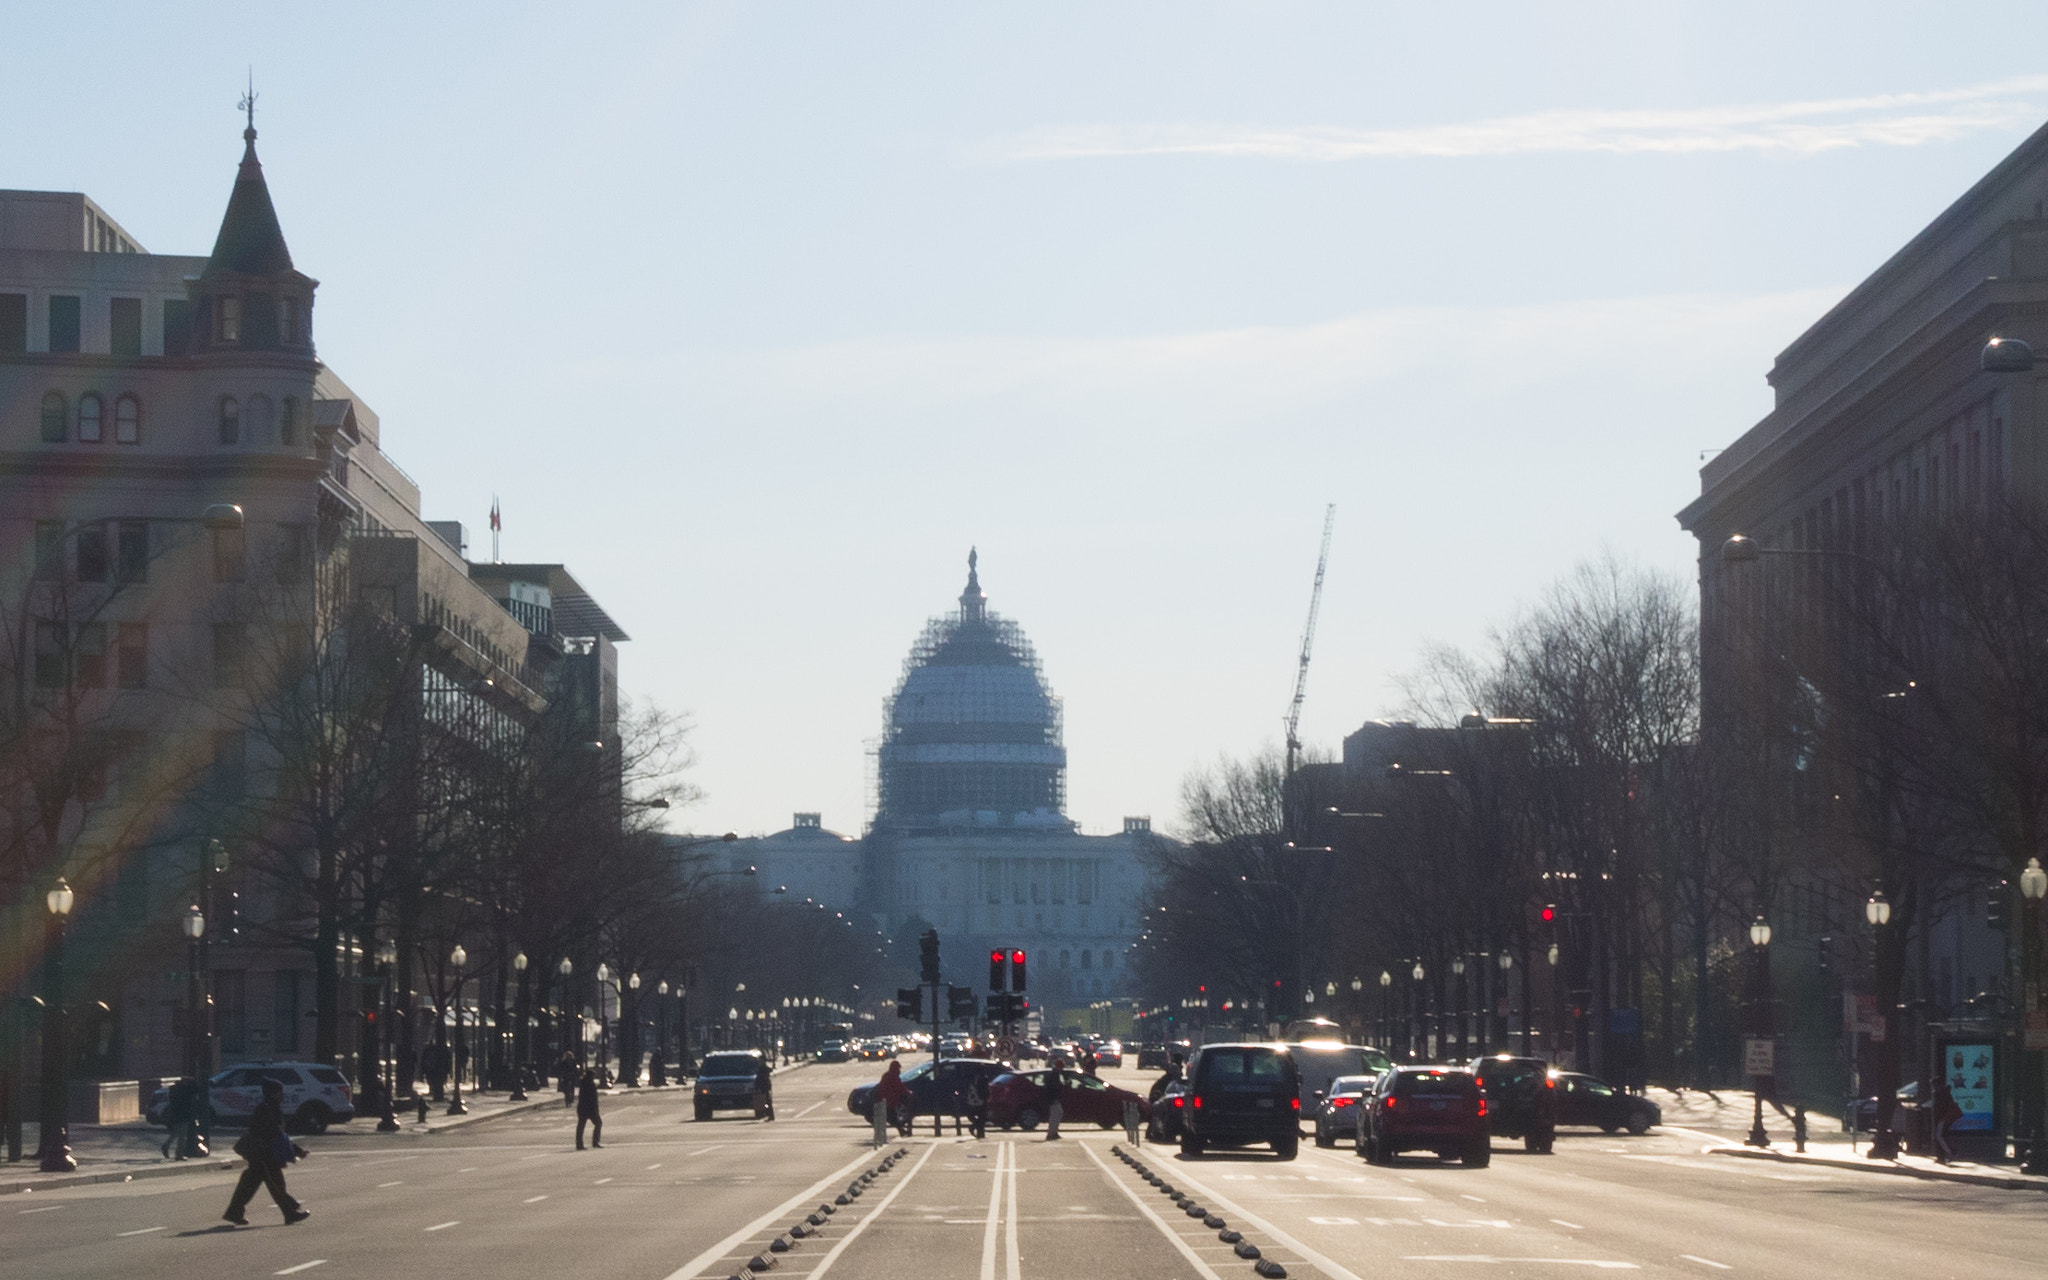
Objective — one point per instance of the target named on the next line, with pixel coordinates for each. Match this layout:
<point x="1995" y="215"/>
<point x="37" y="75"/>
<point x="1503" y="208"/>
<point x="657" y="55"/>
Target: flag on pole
<point x="496" y="524"/>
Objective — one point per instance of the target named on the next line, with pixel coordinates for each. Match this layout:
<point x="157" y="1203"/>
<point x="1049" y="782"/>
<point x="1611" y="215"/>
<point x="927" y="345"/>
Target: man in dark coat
<point x="267" y="1151"/>
<point x="1049" y="1098"/>
<point x="569" y="1071"/>
<point x="434" y="1060"/>
<point x="764" y="1088"/>
<point x="586" y="1110"/>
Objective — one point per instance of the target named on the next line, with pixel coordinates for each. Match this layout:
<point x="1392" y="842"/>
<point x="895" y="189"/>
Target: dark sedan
<point x="1337" y="1109"/>
<point x="940" y="1093"/>
<point x="1583" y="1099"/>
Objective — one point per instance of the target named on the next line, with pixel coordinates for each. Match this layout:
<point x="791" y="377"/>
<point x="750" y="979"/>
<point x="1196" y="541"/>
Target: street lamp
<point x="194" y="925"/>
<point x="562" y="1009"/>
<point x="630" y="1043"/>
<point x="456" y="960"/>
<point x="1418" y="1035"/>
<point x="519" y="1054"/>
<point x="387" y="957"/>
<point x="1458" y="1017"/>
<point x="657" y="1073"/>
<point x="2033" y="888"/>
<point x="604" y="1025"/>
<point x="1760" y="1022"/>
<point x="54" y="1149"/>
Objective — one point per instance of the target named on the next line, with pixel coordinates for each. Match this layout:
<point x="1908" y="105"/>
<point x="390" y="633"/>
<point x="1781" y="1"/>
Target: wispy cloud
<point x="1792" y="128"/>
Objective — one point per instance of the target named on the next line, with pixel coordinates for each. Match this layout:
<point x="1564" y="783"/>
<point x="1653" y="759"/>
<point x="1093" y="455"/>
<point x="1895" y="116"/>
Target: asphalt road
<point x="668" y="1198"/>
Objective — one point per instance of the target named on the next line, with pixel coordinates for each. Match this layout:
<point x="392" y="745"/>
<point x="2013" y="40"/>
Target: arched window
<point x="260" y="416"/>
<point x="1109" y="959"/>
<point x="288" y="422"/>
<point x="56" y="414"/>
<point x="127" y="420"/>
<point x="90" y="413"/>
<point x="1087" y="959"/>
<point x="230" y="420"/>
<point x="1065" y="958"/>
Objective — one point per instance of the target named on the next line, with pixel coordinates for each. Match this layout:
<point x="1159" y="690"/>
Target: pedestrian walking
<point x="568" y="1073"/>
<point x="1049" y="1097"/>
<point x="434" y="1066"/>
<point x="267" y="1150"/>
<point x="1946" y="1113"/>
<point x="586" y="1110"/>
<point x="889" y="1091"/>
<point x="764" y="1090"/>
<point x="976" y="1101"/>
<point x="179" y="1113"/>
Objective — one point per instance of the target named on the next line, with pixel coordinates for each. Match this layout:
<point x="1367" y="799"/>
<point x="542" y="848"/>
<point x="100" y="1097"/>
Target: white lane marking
<point x="807" y="1110"/>
<point x="399" y="1183"/>
<point x="1173" y="1237"/>
<point x="1330" y="1266"/>
<point x="600" y="1182"/>
<point x="705" y="1151"/>
<point x="471" y="1169"/>
<point x="695" y="1266"/>
<point x="48" y="1208"/>
<point x="1603" y="1264"/>
<point x="303" y="1266"/>
<point x="1706" y="1262"/>
<point x="1573" y="1225"/>
<point x="1013" y="1261"/>
<point x="443" y="1226"/>
<point x="534" y="1199"/>
<point x="1335" y="1222"/>
<point x="542" y="1156"/>
<point x="825" y="1263"/>
<point x="995" y="1208"/>
<point x="1466" y="1195"/>
<point x="652" y="1167"/>
<point x="139" y="1231"/>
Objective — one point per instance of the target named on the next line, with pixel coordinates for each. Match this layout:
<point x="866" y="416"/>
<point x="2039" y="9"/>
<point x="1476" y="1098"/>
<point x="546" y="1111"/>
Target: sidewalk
<point x="1725" y="1119"/>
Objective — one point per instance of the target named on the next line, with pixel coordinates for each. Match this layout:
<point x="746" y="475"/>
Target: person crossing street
<point x="267" y="1150"/>
<point x="888" y="1093"/>
<point x="586" y="1110"/>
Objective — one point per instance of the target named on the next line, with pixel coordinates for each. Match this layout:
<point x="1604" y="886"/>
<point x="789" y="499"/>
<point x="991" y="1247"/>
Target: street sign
<point x="1759" y="1057"/>
<point x="1006" y="1048"/>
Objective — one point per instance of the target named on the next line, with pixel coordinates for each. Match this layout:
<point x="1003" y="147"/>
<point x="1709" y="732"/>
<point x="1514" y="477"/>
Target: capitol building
<point x="969" y="833"/>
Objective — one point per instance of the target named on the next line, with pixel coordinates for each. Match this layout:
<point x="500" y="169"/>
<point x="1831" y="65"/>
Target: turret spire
<point x="250" y="241"/>
<point x="973" y="603"/>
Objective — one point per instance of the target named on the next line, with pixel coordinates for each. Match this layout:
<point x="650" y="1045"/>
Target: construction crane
<point x="1308" y="640"/>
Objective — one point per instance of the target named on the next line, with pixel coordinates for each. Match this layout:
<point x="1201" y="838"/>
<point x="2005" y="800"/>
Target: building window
<point x="63" y="323"/>
<point x="229" y="656"/>
<point x="230" y="420"/>
<point x="13" y="323"/>
<point x="231" y="1011"/>
<point x="261" y="417"/>
<point x="284" y="1011"/>
<point x="49" y="551"/>
<point x="1061" y="875"/>
<point x="230" y="552"/>
<point x="127" y="420"/>
<point x="131" y="655"/>
<point x="92" y="553"/>
<point x="91" y="411"/>
<point x="1084" y="882"/>
<point x="1065" y="957"/>
<point x="90" y="655"/>
<point x="229" y="310"/>
<point x="288" y="422"/>
<point x="124" y="321"/>
<point x="1109" y="959"/>
<point x="131" y="552"/>
<point x="177" y="326"/>
<point x="1087" y="959"/>
<point x="291" y="555"/>
<point x="56" y="413"/>
<point x="49" y="655"/>
<point x="288" y="321"/>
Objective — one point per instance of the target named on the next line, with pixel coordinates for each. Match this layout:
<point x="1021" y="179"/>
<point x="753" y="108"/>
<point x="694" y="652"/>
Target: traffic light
<point x="960" y="1003"/>
<point x="928" y="955"/>
<point x="1017" y="970"/>
<point x="1994" y="905"/>
<point x="1823" y="950"/>
<point x="1549" y="913"/>
<point x="995" y="969"/>
<point x="910" y="1004"/>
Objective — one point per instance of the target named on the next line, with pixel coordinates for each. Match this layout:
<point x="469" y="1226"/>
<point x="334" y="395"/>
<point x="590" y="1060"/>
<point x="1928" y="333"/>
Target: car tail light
<point x="1389" y="1102"/>
<point x="1340" y="1102"/>
<point x="1297" y="1103"/>
<point x="1482" y="1106"/>
<point x="1180" y="1102"/>
<point x="1481" y="1082"/>
<point x="1198" y="1102"/>
<point x="1548" y="1083"/>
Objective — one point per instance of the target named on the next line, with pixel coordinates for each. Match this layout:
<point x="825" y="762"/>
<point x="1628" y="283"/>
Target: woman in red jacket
<point x="889" y="1093"/>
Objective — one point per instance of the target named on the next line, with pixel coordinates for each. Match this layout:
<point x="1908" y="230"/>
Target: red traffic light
<point x="1549" y="913"/>
<point x="1017" y="970"/>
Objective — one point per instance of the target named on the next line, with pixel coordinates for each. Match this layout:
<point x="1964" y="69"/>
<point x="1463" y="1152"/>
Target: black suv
<point x="1239" y="1094"/>
<point x="726" y="1082"/>
<point x="1521" y="1099"/>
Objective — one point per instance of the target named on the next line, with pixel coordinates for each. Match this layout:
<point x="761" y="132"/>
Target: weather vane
<point x="248" y="102"/>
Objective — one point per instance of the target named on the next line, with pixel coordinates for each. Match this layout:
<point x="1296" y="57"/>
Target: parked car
<point x="1163" y="1125"/>
<point x="315" y="1095"/>
<point x="1319" y="1062"/>
<point x="1864" y="1114"/>
<point x="1521" y="1099"/>
<point x="1582" y="1099"/>
<point x="832" y="1051"/>
<point x="1337" y="1109"/>
<point x="1015" y="1100"/>
<point x="939" y="1091"/>
<point x="1437" y="1109"/>
<point x="725" y="1082"/>
<point x="1240" y="1094"/>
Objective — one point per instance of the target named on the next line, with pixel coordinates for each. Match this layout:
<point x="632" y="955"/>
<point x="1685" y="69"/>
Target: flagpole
<point x="495" y="525"/>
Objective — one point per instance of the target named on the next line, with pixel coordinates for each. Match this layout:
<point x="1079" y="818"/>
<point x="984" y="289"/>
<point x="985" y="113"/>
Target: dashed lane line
<point x="995" y="1209"/>
<point x="832" y="1255"/>
<point x="1573" y="1225"/>
<point x="139" y="1231"/>
<point x="652" y="1167"/>
<point x="48" y="1208"/>
<point x="534" y="1199"/>
<point x="695" y="1266"/>
<point x="399" y="1183"/>
<point x="600" y="1182"/>
<point x="303" y="1266"/>
<point x="443" y="1226"/>
<point x="1173" y="1237"/>
<point x="1706" y="1262"/>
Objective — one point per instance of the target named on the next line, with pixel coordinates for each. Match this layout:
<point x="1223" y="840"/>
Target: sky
<point x="758" y="316"/>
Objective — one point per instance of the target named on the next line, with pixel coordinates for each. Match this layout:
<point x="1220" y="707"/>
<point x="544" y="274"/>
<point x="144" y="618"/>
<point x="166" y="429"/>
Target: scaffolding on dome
<point x="972" y="737"/>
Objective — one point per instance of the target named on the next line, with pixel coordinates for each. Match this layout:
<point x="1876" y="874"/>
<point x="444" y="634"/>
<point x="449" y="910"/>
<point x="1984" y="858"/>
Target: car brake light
<point x="1198" y="1102"/>
<point x="1297" y="1104"/>
<point x="1180" y="1102"/>
<point x="1548" y="1083"/>
<point x="1390" y="1103"/>
<point x="1482" y="1106"/>
<point x="1340" y="1102"/>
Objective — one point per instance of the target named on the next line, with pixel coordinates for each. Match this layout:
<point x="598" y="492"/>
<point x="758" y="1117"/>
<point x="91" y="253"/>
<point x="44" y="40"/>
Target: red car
<point x="1015" y="1100"/>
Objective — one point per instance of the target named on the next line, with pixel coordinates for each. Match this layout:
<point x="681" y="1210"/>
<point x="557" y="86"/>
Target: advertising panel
<point x="1971" y="1069"/>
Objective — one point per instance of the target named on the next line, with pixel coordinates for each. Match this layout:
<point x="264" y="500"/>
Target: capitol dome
<point x="972" y="735"/>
